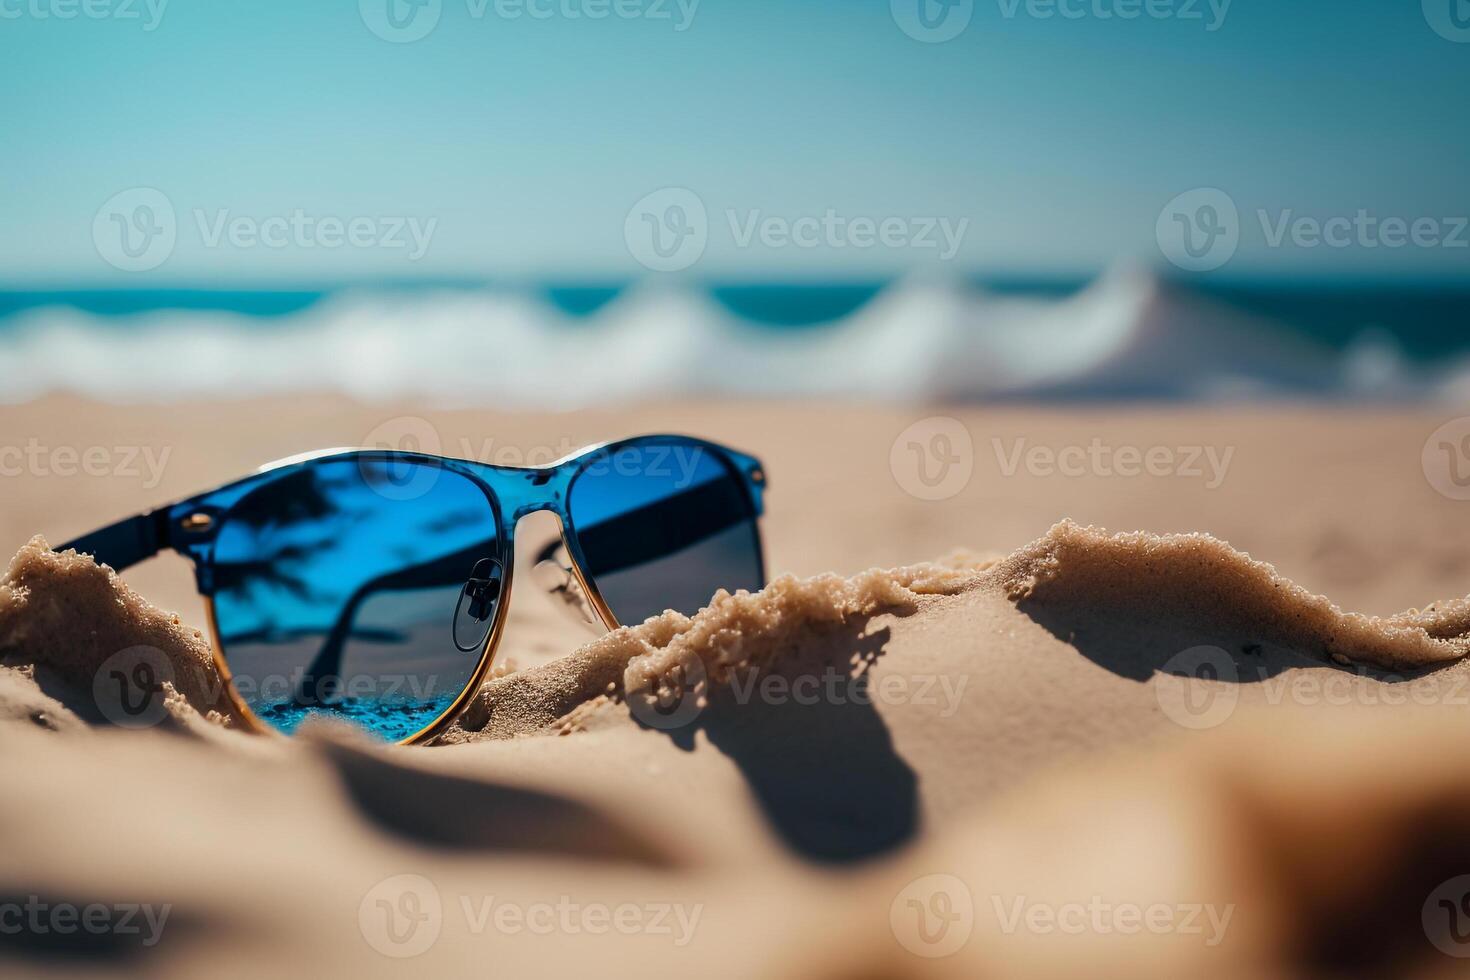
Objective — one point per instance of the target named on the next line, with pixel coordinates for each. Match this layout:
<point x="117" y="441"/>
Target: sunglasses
<point x="372" y="585"/>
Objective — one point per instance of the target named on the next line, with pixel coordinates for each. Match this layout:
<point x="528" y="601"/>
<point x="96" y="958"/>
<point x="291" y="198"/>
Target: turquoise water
<point x="1426" y="320"/>
<point x="389" y="718"/>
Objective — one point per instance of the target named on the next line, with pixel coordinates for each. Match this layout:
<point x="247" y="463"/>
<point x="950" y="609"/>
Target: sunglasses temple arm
<point x="125" y="543"/>
<point x="560" y="585"/>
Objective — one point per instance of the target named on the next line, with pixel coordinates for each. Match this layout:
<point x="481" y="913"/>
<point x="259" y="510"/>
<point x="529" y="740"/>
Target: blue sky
<point x="526" y="140"/>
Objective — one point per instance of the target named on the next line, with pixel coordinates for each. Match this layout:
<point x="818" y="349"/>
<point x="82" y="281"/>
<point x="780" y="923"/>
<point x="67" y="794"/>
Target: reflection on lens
<point x="664" y="526"/>
<point x="333" y="597"/>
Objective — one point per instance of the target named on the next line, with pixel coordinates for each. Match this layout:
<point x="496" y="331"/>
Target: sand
<point x="1068" y="751"/>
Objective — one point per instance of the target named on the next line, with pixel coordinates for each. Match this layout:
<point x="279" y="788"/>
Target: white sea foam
<point x="1126" y="335"/>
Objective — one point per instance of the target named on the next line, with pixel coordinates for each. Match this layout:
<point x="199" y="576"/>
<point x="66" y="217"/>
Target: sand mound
<point x="1124" y="600"/>
<point x="672" y="658"/>
<point x="71" y="622"/>
<point x="22" y="701"/>
<point x="1138" y="593"/>
<point x="1090" y="571"/>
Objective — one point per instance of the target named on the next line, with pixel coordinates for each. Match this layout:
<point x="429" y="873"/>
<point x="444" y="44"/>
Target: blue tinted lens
<point x="340" y="589"/>
<point x="664" y="525"/>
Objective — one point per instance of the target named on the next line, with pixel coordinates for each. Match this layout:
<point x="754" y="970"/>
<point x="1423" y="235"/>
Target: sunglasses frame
<point x="190" y="526"/>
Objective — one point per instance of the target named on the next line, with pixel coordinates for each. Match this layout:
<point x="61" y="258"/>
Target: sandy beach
<point x="1070" y="750"/>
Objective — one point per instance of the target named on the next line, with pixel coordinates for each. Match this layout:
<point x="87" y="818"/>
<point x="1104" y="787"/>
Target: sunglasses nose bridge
<point x="527" y="508"/>
<point x="525" y="491"/>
